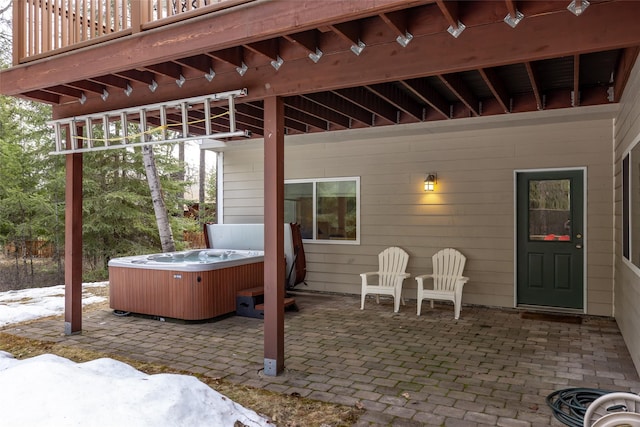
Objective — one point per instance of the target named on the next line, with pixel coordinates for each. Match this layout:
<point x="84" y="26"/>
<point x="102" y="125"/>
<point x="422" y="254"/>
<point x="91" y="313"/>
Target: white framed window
<point x="327" y="209"/>
<point x="631" y="205"/>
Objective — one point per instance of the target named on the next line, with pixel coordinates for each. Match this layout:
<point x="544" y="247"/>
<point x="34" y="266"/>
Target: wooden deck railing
<point x="45" y="27"/>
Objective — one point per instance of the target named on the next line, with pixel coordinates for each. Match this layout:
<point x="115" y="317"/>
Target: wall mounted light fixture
<point x="430" y="181"/>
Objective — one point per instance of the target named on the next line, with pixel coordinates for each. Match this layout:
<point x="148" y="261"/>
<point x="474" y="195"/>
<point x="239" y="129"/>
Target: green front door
<point x="550" y="236"/>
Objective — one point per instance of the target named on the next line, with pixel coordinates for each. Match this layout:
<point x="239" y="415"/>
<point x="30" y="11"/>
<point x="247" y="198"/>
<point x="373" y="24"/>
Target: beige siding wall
<point x="627" y="278"/>
<point x="472" y="208"/>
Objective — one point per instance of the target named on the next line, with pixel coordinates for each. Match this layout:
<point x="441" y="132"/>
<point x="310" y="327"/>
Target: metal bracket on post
<point x="270" y="367"/>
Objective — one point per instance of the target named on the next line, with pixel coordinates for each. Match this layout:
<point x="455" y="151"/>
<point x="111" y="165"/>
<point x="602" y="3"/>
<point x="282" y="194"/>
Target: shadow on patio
<point x="491" y="367"/>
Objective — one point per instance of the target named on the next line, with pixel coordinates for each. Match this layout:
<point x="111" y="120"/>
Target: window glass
<point x="326" y="209"/>
<point x="336" y="207"/>
<point x="625" y="208"/>
<point x="550" y="210"/>
<point x="298" y="206"/>
<point x="634" y="211"/>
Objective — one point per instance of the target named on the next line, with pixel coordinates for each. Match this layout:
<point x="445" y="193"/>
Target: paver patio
<point x="491" y="367"/>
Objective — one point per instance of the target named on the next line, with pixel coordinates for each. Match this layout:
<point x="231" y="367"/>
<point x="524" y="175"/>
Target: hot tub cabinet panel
<point x="186" y="295"/>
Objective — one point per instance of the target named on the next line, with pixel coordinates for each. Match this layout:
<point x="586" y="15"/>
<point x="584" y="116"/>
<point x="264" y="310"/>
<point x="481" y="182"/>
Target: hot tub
<point x="190" y="285"/>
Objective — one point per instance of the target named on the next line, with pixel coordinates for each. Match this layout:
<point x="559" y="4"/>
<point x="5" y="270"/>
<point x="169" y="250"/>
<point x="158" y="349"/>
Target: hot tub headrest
<point x="236" y="236"/>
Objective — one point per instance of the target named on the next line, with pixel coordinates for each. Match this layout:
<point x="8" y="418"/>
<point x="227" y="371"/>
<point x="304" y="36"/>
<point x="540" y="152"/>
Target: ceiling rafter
<point x="451" y="12"/>
<point x="350" y="32"/>
<point x="245" y="120"/>
<point x="268" y="48"/>
<point x="575" y="102"/>
<point x="623" y="70"/>
<point x="341" y="106"/>
<point x="511" y="7"/>
<point x="521" y="70"/>
<point x="428" y="95"/>
<point x="398" y="22"/>
<point x="233" y="56"/>
<point x="66" y="90"/>
<point x="145" y="76"/>
<point x="303" y="117"/>
<point x="455" y="84"/>
<point x="170" y="69"/>
<point x="535" y="85"/>
<point x="200" y="63"/>
<point x="399" y="99"/>
<point x="112" y="80"/>
<point x="255" y="109"/>
<point x="89" y="86"/>
<point x="309" y="41"/>
<point x="368" y="101"/>
<point x="496" y="87"/>
<point x="320" y="111"/>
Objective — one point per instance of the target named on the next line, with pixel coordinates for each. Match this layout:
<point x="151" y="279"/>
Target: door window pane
<point x="550" y="210"/>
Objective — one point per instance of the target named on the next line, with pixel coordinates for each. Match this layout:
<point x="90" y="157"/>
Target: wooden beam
<point x="170" y="69"/>
<point x="512" y="8"/>
<point x="314" y="109"/>
<point x="368" y="101"/>
<point x="462" y="92"/>
<point x="397" y="22"/>
<point x="625" y="64"/>
<point x="563" y="35"/>
<point x="535" y="86"/>
<point x="73" y="242"/>
<point x="274" y="265"/>
<point x="349" y="32"/>
<point x="427" y="55"/>
<point x="306" y="39"/>
<point x="112" y="80"/>
<point x="427" y="94"/>
<point x="303" y="117"/>
<point x="43" y="96"/>
<point x="89" y="86"/>
<point x="576" y="81"/>
<point x="200" y="63"/>
<point x="65" y="90"/>
<point x="450" y="11"/>
<point x="268" y="48"/>
<point x="233" y="56"/>
<point x="146" y="77"/>
<point x="399" y="99"/>
<point x="342" y="106"/>
<point x="496" y="87"/>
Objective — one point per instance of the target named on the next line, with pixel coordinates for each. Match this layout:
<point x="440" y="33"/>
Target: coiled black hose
<point x="570" y="404"/>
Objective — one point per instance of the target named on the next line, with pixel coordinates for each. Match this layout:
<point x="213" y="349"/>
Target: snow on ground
<point x="52" y="391"/>
<point x="29" y="304"/>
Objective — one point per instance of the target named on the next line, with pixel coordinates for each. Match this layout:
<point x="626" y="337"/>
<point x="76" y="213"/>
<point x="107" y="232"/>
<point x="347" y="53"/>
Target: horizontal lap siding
<point x="471" y="209"/>
<point x="627" y="289"/>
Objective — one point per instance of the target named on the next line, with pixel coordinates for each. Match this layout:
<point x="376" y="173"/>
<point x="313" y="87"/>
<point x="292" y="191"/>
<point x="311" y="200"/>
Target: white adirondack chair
<point x="448" y="281"/>
<point x="392" y="263"/>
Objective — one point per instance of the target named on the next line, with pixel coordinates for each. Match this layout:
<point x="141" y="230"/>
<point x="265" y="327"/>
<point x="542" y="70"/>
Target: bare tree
<point x="159" y="205"/>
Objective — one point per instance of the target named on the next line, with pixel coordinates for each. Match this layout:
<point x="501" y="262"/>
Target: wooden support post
<point x="73" y="241"/>
<point x="139" y="15"/>
<point x="274" y="266"/>
<point x="20" y="26"/>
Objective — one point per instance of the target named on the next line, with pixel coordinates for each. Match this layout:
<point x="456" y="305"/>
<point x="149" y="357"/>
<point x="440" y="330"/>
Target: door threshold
<point x="550" y="310"/>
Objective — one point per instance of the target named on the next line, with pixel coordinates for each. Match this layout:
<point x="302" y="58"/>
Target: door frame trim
<point x="585" y="226"/>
